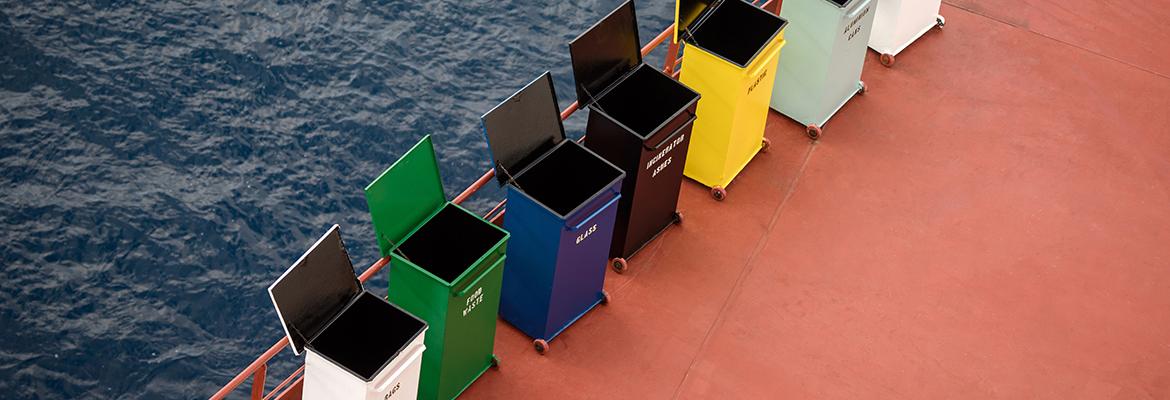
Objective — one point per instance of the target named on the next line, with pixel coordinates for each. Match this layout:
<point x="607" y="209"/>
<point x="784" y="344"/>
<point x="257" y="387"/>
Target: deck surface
<point x="990" y="221"/>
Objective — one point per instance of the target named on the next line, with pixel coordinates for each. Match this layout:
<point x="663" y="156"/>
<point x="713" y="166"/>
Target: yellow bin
<point x="730" y="59"/>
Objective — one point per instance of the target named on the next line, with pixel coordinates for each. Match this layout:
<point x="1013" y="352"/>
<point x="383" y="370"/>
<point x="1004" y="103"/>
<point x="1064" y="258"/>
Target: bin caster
<point x="813" y="132"/>
<point x="605" y="298"/>
<point x="887" y="59"/>
<point x="495" y="363"/>
<point x="541" y="346"/>
<point x="719" y="193"/>
<point x="678" y="217"/>
<point x="941" y="21"/>
<point x="619" y="264"/>
<point x="764" y="145"/>
<point x="862" y="89"/>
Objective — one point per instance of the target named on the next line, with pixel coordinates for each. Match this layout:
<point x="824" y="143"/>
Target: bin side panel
<point x="622" y="148"/>
<point x="799" y="91"/>
<point x="471" y="329"/>
<point x="654" y="200"/>
<point x="581" y="264"/>
<point x="325" y="380"/>
<point x="531" y="255"/>
<point x="899" y="22"/>
<point x="716" y="81"/>
<point x="426" y="298"/>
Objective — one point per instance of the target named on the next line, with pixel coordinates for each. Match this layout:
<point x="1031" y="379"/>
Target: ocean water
<point x="162" y="162"/>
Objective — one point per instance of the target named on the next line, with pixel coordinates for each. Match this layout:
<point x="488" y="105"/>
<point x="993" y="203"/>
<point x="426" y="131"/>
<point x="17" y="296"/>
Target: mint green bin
<point x="446" y="267"/>
<point x="820" y="70"/>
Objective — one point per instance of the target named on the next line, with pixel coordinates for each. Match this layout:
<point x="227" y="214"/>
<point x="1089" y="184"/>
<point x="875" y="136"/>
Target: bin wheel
<point x="605" y="297"/>
<point x="618" y="264"/>
<point x="813" y="132"/>
<point x="495" y="363"/>
<point x="765" y="145"/>
<point x="678" y="218"/>
<point x="941" y="21"/>
<point x="719" y="193"/>
<point x="541" y="346"/>
<point x="862" y="88"/>
<point x="887" y="59"/>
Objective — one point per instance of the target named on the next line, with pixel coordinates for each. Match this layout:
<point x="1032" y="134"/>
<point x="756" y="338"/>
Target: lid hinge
<point x="703" y="16"/>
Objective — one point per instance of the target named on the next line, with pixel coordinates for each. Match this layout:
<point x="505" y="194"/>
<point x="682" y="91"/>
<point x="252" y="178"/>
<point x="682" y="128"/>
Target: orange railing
<point x="258" y="369"/>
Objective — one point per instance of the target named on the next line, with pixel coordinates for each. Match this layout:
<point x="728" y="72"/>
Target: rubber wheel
<point x="678" y="218"/>
<point x="541" y="346"/>
<point x="941" y="21"/>
<point x="862" y="89"/>
<point x="495" y="363"/>
<point x="765" y="145"/>
<point x="719" y="193"/>
<point x="813" y="132"/>
<point x="887" y="59"/>
<point x="605" y="297"/>
<point x="618" y="264"/>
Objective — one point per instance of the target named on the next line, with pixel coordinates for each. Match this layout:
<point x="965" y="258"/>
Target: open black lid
<point x="314" y="289"/>
<point x="686" y="12"/>
<point x="605" y="53"/>
<point x="523" y="127"/>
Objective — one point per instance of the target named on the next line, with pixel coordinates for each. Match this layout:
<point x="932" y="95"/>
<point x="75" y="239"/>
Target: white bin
<point x="899" y="23"/>
<point x="357" y="344"/>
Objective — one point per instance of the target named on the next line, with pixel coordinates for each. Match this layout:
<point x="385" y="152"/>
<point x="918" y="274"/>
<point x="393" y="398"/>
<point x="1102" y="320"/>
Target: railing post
<point x="258" y="382"/>
<point x="671" y="55"/>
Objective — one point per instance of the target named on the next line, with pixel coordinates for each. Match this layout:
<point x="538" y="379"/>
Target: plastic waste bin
<point x="446" y="265"/>
<point x="821" y="70"/>
<point x="357" y="345"/>
<point x="640" y="119"/>
<point x="562" y="202"/>
<point x="730" y="59"/>
<point x="897" y="23"/>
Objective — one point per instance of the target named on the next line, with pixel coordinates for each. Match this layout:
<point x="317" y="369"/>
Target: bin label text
<point x="757" y="82"/>
<point x="677" y="141"/>
<point x="581" y="237"/>
<point x="854" y="26"/>
<point x="392" y="391"/>
<point x="472" y="301"/>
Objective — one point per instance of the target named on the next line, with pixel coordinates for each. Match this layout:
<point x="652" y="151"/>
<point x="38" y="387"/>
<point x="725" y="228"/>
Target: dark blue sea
<point x="162" y="162"/>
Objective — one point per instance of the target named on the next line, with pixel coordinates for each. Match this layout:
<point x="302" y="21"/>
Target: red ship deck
<point x="990" y="221"/>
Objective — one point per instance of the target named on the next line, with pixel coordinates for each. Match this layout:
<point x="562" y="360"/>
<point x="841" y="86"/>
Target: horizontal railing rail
<point x="258" y="369"/>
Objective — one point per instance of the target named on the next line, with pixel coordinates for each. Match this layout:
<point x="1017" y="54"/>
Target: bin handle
<point x="417" y="352"/>
<point x="771" y="54"/>
<point x="474" y="283"/>
<point x="857" y="9"/>
<point x="672" y="135"/>
<point x="594" y="214"/>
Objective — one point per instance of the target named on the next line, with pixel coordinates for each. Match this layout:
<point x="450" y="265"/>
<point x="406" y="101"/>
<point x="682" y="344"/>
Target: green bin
<point x="446" y="267"/>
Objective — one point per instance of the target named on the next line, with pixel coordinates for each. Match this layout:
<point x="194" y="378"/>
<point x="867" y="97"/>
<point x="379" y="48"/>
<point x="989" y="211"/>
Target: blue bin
<point x="562" y="205"/>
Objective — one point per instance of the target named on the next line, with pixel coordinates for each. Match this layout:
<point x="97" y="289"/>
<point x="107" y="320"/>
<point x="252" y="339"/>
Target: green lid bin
<point x="446" y="267"/>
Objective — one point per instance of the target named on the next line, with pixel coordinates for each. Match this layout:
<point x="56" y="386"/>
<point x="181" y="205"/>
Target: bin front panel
<point x="653" y="201"/>
<point x="581" y="262"/>
<point x="850" y="48"/>
<point x="532" y="257"/>
<point x="405" y="195"/>
<point x="471" y="328"/>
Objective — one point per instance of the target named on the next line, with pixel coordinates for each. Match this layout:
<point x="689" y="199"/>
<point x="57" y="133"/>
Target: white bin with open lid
<point x="358" y="345"/>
